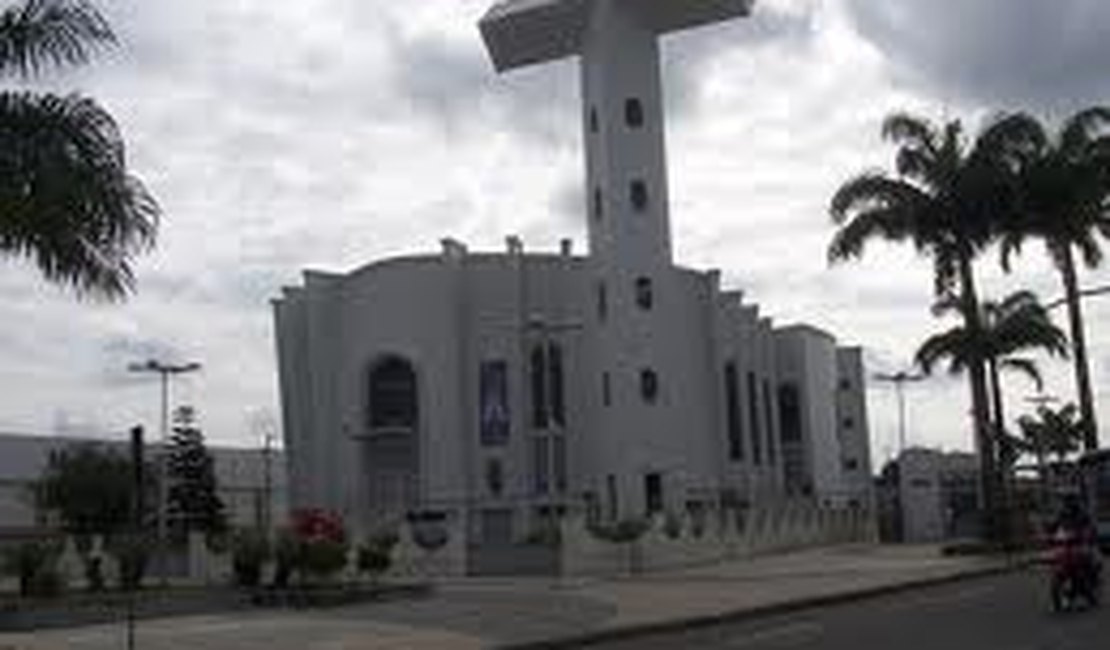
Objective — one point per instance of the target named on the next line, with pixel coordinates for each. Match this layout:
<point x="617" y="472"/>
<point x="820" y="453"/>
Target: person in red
<point x="1075" y="545"/>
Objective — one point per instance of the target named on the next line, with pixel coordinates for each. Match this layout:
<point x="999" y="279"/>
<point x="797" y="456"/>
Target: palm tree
<point x="1016" y="324"/>
<point x="943" y="200"/>
<point x="1064" y="182"/>
<point x="67" y="199"/>
<point x="1057" y="432"/>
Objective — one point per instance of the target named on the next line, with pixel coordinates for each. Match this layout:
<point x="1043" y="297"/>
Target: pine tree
<point x="193" y="501"/>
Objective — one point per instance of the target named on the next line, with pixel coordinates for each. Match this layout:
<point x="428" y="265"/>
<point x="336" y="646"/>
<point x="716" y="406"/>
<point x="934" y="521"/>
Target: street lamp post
<point x="900" y="379"/>
<point x="165" y="371"/>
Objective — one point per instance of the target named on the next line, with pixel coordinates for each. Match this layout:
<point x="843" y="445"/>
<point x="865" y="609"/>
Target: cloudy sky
<point x="283" y="134"/>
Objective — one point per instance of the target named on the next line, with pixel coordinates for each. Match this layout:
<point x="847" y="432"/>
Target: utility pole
<point x="267" y="479"/>
<point x="165" y="371"/>
<point x="900" y="379"/>
<point x="136" y="520"/>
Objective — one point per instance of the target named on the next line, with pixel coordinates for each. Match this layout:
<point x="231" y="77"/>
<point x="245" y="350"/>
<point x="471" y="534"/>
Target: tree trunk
<point x="1002" y="447"/>
<point x="977" y="379"/>
<point x="996" y="404"/>
<point x="1042" y="469"/>
<point x="1079" y="349"/>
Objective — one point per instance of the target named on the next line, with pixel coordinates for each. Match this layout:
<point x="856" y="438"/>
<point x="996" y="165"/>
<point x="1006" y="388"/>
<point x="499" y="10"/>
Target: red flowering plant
<point x="321" y="540"/>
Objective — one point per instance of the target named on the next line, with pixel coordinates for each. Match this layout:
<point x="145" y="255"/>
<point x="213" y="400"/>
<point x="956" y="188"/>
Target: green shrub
<point x="250" y="550"/>
<point x="376" y="555"/>
<point x="323" y="558"/>
<point x="94" y="572"/>
<point x="35" y="563"/>
<point x="286" y="557"/>
<point x="133" y="555"/>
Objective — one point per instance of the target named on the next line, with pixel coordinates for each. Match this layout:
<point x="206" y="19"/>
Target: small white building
<point x="500" y="387"/>
<point x="937" y="494"/>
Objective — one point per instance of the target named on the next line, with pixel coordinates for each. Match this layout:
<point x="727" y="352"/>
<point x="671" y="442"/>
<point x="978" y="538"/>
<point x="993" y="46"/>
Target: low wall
<point x="689" y="540"/>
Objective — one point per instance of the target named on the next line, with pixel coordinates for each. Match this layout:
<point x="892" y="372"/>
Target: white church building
<point x="495" y="388"/>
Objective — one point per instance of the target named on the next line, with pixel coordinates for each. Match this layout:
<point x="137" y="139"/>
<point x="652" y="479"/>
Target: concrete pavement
<point x="1005" y="612"/>
<point x="516" y="612"/>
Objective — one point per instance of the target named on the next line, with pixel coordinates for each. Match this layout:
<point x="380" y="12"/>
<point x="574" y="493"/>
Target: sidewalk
<point x="478" y="613"/>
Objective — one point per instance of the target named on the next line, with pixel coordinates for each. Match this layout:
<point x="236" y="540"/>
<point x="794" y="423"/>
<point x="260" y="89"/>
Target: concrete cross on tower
<point x="618" y="41"/>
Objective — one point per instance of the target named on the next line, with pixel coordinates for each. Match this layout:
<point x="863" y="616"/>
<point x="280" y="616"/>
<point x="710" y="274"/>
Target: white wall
<point x="920" y="495"/>
<point x="855" y="438"/>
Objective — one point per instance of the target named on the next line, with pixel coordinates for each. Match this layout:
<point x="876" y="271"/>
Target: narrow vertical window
<point x="539" y="388"/>
<point x="649" y="385"/>
<point x="493" y="403"/>
<point x="555" y="372"/>
<point x="769" y="415"/>
<point x="638" y="195"/>
<point x="644" y="294"/>
<point x="495" y="477"/>
<point x="613" y="497"/>
<point x="606" y="390"/>
<point x="753" y="416"/>
<point x="593" y="120"/>
<point x="599" y="204"/>
<point x="790" y="413"/>
<point x="653" y="492"/>
<point x="732" y="413"/>
<point x="602" y="302"/>
<point x="633" y="113"/>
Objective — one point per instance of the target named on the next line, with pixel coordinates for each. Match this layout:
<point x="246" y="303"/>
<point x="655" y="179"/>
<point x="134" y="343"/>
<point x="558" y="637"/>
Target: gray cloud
<point x="451" y="79"/>
<point x="995" y="51"/>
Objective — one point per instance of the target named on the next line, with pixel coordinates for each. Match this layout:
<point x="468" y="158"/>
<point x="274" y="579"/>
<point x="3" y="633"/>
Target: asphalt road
<point x="1003" y="613"/>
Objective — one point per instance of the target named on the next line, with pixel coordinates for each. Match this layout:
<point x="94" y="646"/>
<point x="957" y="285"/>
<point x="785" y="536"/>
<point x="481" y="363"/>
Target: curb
<point x="763" y="611"/>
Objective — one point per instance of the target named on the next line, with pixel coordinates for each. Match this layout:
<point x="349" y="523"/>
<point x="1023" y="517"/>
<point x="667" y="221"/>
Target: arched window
<point x="644" y="297"/>
<point x="633" y="113"/>
<point x="392" y="401"/>
<point x="638" y="195"/>
<point x="649" y="385"/>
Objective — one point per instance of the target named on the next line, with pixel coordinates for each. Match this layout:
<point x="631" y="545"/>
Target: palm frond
<point x="917" y="132"/>
<point x="952" y="344"/>
<point x="1012" y="140"/>
<point x="1027" y="367"/>
<point x="1020" y="322"/>
<point x="873" y="189"/>
<point x="67" y="199"/>
<point x="873" y="206"/>
<point x="36" y="34"/>
<point x="1081" y="129"/>
<point x="1089" y="249"/>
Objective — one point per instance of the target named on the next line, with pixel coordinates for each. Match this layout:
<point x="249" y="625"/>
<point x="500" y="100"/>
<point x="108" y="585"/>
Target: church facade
<point x="501" y="389"/>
